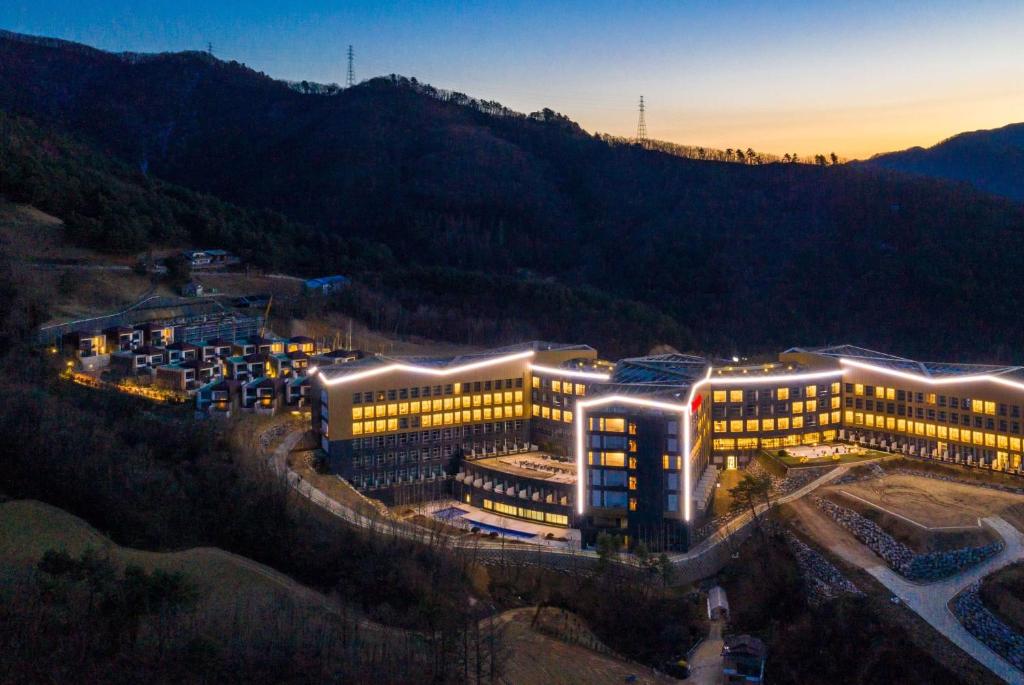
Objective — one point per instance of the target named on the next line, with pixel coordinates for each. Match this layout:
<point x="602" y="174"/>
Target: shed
<point x="718" y="604"/>
<point x="326" y="284"/>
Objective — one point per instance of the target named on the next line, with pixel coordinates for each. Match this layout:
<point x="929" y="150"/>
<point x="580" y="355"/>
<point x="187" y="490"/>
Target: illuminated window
<point x="719" y="426"/>
<point x="380" y="426"/>
<point x="723" y="444"/>
<point x="556" y="386"/>
<point x="798" y="422"/>
<point x="357" y="412"/>
<point x="768" y="424"/>
<point x="783" y="423"/>
<point x="880" y="392"/>
<point x="357" y="429"/>
<point x="890" y="393"/>
<point x="535" y="409"/>
<point x="632" y="504"/>
<point x="835" y="388"/>
<point x="812" y="406"/>
<point x="990" y="408"/>
<point x="556" y="415"/>
<point x="581" y="389"/>
<point x="930" y="398"/>
<point x="823" y="419"/>
<point x="632" y="482"/>
<point x="746" y="443"/>
<point x="782" y="393"/>
<point x="858" y="389"/>
<point x="519" y="396"/>
<point x="736" y="426"/>
<point x="615" y="459"/>
<point x="735" y="395"/>
<point x="613" y="425"/>
<point x="632" y="463"/>
<point x="718" y="396"/>
<point x="752" y="425"/>
<point x="798" y="407"/>
<point x="566" y="415"/>
<point x="810" y="391"/>
<point x="848" y="416"/>
<point x="834" y="402"/>
<point x="392" y="424"/>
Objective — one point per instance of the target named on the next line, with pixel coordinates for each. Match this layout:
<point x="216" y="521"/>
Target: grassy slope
<point x="228" y="582"/>
<point x="29" y="528"/>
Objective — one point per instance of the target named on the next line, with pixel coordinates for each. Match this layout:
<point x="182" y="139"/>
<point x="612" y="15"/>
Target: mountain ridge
<point x="748" y="256"/>
<point x="990" y="159"/>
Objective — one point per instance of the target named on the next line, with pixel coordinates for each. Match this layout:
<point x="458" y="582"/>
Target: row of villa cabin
<point x="260" y="395"/>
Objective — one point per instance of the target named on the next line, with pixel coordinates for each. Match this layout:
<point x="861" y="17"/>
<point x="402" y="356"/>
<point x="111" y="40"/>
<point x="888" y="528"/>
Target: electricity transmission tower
<point x="641" y="126"/>
<point x="351" y="79"/>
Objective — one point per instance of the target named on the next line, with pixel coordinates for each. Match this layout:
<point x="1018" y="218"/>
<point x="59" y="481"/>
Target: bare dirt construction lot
<point x="925" y="513"/>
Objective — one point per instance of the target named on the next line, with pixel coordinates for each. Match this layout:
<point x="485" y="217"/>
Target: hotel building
<point x="549" y="433"/>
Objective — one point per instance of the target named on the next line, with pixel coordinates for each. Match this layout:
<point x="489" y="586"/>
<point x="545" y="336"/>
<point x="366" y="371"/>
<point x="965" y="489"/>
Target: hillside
<point x="236" y="598"/>
<point x="739" y="258"/>
<point x="991" y="160"/>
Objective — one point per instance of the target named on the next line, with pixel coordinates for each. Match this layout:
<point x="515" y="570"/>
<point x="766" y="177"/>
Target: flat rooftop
<point x="537" y="465"/>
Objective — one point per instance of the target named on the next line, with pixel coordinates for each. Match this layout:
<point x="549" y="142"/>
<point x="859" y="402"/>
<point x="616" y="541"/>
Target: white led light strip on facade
<point x="950" y="380"/>
<point x="592" y="375"/>
<point x="426" y="370"/>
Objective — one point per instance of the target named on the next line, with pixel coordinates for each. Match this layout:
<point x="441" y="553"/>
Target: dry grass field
<point x="227" y="583"/>
<point x="930" y="502"/>
<point x="537" y="658"/>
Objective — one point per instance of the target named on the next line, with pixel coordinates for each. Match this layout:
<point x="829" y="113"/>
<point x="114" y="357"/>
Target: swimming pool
<point x="507" y="532"/>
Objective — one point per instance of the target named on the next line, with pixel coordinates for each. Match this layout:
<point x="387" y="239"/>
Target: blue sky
<point x="806" y="77"/>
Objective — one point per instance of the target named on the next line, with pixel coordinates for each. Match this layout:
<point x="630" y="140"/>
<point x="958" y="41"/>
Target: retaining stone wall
<point x="918" y="567"/>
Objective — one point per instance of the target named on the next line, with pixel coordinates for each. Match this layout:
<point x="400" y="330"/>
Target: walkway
<point x="931" y="600"/>
<point x="706" y="660"/>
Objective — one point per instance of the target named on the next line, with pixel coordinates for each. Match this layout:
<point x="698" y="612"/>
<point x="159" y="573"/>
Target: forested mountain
<point x="746" y="257"/>
<point x="992" y="160"/>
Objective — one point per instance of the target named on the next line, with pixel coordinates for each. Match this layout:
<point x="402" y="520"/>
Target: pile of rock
<point x="794" y="479"/>
<point x="871" y="472"/>
<point x="987" y="627"/>
<point x="823" y="579"/>
<point x="963" y="481"/>
<point x="902" y="559"/>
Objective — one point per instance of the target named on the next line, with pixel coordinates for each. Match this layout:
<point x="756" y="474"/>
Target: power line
<point x="351" y="79"/>
<point x="641" y="126"/>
